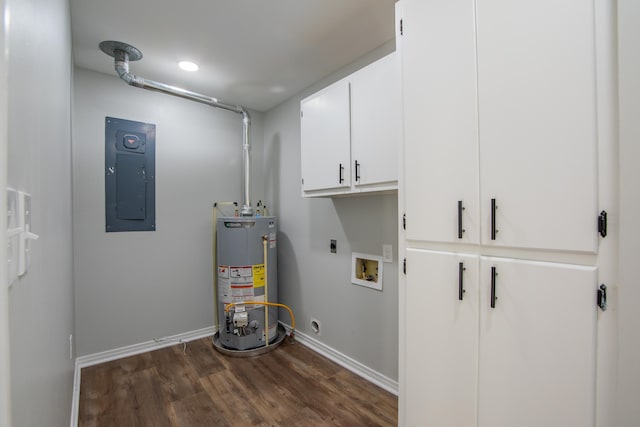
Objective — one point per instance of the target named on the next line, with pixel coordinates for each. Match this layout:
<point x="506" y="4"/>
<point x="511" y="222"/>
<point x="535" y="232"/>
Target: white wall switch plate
<point x="26" y="236"/>
<point x="387" y="253"/>
<point x="13" y="235"/>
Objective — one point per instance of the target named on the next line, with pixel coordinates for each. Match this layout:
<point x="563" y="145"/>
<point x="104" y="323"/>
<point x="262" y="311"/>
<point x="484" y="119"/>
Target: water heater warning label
<point x="237" y="283"/>
<point x="258" y="275"/>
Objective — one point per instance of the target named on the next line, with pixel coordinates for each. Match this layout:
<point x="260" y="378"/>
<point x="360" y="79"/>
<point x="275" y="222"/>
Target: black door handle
<point x="357" y="171"/>
<point x="493" y="219"/>
<point x="340" y="178"/>
<point x="460" y="280"/>
<point x="460" y="229"/>
<point x="493" y="287"/>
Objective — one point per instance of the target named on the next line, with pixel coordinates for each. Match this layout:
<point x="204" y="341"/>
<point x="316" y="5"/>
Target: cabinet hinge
<point x="404" y="221"/>
<point x="401" y="28"/>
<point x="602" y="297"/>
<point x="404" y="266"/>
<point x="602" y="223"/>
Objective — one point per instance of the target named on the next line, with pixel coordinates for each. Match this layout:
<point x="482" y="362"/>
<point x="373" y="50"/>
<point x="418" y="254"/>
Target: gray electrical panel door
<point x="129" y="175"/>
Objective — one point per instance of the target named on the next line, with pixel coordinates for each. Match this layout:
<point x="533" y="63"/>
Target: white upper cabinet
<point x="537" y="109"/>
<point x="440" y="121"/>
<point x="375" y="123"/>
<point x="350" y="133"/>
<point x="325" y="134"/>
<point x="499" y="104"/>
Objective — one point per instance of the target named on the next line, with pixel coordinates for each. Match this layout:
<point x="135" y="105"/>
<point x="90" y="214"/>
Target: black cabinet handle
<point x="493" y="287"/>
<point x="357" y="171"/>
<point x="340" y="178"/>
<point x="460" y="280"/>
<point x="460" y="229"/>
<point x="493" y="219"/>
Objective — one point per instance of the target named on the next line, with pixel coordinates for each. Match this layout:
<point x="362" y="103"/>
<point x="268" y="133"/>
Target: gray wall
<point x="357" y="321"/>
<point x="39" y="158"/>
<point x="628" y="410"/>
<point x="132" y="287"/>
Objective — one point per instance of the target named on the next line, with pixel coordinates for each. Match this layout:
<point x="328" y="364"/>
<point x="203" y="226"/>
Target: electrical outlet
<point x="333" y="246"/>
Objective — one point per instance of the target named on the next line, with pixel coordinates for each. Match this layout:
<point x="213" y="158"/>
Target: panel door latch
<point x="602" y="297"/>
<point x="602" y="223"/>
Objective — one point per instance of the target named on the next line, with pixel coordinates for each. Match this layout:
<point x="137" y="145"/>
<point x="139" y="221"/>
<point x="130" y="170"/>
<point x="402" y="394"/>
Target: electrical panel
<point x="129" y="175"/>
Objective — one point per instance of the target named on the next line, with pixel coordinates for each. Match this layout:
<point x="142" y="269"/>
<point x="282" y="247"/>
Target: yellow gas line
<point x="265" y="239"/>
<point x="227" y="307"/>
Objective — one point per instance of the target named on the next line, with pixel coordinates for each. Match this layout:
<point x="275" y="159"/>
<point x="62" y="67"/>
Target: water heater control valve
<point x="240" y="319"/>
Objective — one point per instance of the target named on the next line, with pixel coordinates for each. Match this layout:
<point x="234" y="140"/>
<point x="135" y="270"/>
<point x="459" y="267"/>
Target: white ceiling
<point x="254" y="53"/>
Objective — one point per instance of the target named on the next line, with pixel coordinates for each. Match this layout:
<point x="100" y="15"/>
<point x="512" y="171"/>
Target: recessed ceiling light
<point x="188" y="66"/>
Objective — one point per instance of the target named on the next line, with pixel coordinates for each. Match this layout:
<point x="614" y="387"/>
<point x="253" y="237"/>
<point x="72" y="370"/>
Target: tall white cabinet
<point x="499" y="190"/>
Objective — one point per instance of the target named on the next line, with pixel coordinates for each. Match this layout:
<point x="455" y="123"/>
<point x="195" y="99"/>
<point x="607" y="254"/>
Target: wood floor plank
<point x="136" y="363"/>
<point x="198" y="410"/>
<point x="177" y="378"/>
<point x="148" y="402"/>
<point x="235" y="402"/>
<point x="110" y="401"/>
<point x="307" y="417"/>
<point x="203" y="360"/>
<point x="290" y="386"/>
<point x="374" y="410"/>
<point x="264" y="395"/>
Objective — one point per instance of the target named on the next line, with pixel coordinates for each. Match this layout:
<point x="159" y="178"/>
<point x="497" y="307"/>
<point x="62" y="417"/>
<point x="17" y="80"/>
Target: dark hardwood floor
<point x="290" y="386"/>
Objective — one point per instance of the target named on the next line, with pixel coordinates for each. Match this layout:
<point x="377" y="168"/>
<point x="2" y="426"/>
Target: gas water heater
<point x="247" y="273"/>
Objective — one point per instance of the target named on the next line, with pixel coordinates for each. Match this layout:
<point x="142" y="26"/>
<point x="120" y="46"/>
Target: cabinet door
<point x="537" y="109"/>
<point x="537" y="346"/>
<point x="325" y="138"/>
<point x="440" y="120"/>
<point x="441" y="339"/>
<point x="375" y="122"/>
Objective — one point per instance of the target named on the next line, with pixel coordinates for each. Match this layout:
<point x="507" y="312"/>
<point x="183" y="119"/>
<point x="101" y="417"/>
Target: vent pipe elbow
<point x="123" y="53"/>
<point x="121" y="65"/>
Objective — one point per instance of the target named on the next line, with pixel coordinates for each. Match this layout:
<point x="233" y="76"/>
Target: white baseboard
<point x="122" y="352"/>
<point x="132" y="350"/>
<point x="119" y="353"/>
<point x="346" y="362"/>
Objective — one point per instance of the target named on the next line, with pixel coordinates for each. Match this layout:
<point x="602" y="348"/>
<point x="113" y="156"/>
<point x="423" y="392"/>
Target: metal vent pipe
<point x="123" y="53"/>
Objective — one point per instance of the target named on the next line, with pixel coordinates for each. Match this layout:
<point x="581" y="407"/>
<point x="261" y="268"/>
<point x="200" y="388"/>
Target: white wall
<point x="628" y="374"/>
<point x="39" y="162"/>
<point x="5" y="366"/>
<point x="132" y="287"/>
<point x="357" y="321"/>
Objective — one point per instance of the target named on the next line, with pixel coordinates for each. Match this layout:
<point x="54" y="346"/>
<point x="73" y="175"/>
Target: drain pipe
<point x="123" y="53"/>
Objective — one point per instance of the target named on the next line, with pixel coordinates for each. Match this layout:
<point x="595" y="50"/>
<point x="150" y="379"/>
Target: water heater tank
<point x="243" y="275"/>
